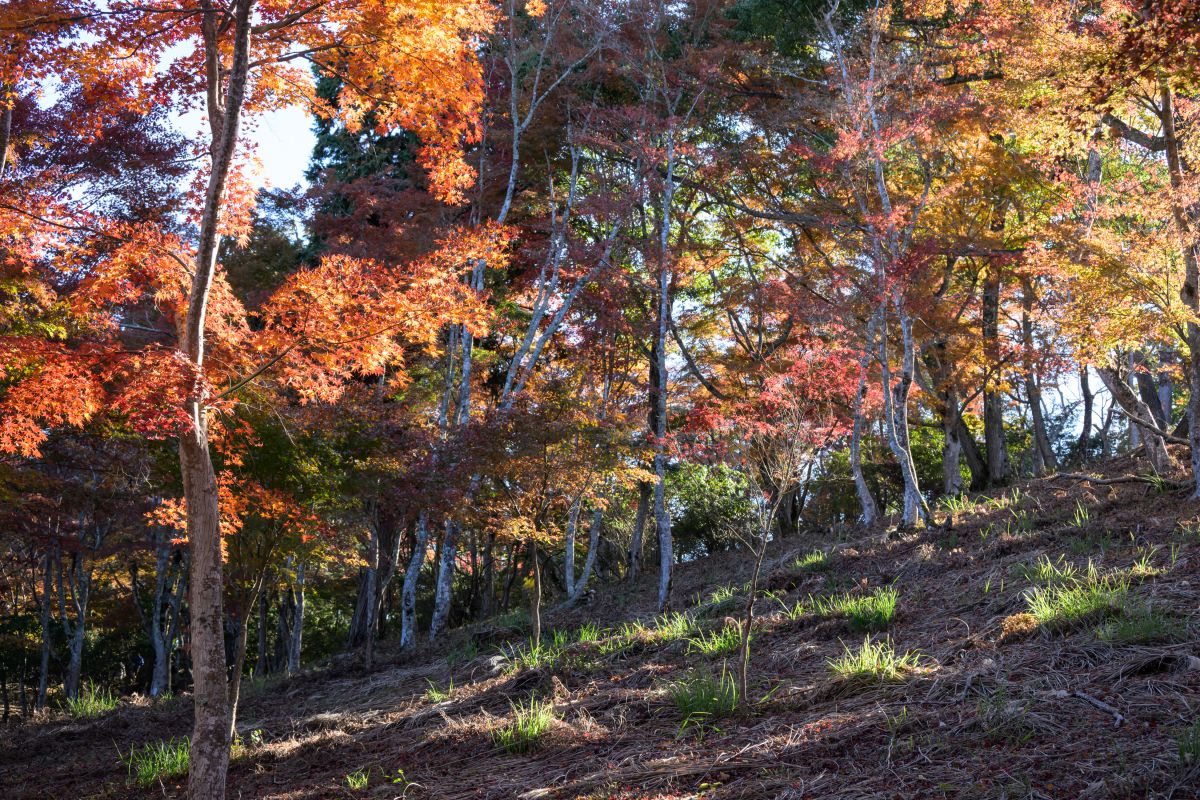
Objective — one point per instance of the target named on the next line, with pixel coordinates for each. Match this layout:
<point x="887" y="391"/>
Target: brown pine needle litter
<point x="1096" y="698"/>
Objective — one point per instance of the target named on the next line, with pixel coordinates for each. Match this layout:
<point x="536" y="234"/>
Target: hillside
<point x="1094" y="699"/>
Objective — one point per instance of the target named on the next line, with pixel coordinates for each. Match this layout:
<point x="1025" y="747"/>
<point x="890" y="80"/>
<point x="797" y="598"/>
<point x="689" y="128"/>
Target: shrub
<point x="155" y="762"/>
<point x="703" y="696"/>
<point x="529" y="723"/>
<point x="91" y="702"/>
<point x="872" y="663"/>
<point x="1068" y="605"/>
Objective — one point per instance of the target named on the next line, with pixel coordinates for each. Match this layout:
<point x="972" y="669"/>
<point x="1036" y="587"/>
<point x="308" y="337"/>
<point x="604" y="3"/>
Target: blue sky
<point x="285" y="141"/>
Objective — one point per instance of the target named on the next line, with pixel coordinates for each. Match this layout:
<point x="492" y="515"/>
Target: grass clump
<point x="91" y="702"/>
<point x="358" y="780"/>
<point x="1046" y="572"/>
<point x="703" y="696"/>
<point x="529" y="723"/>
<point x="589" y="632"/>
<point x="872" y="662"/>
<point x="816" y="561"/>
<point x="716" y="643"/>
<point x="1141" y="626"/>
<point x="532" y="656"/>
<point x="1188" y="743"/>
<point x="436" y="695"/>
<point x="1071" y="604"/>
<point x="872" y="612"/>
<point x="1143" y="564"/>
<point x="155" y="762"/>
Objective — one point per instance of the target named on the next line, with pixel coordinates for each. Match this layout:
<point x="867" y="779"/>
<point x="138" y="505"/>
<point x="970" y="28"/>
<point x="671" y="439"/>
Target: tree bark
<point x="866" y="500"/>
<point x="590" y="561"/>
<point x="1136" y="409"/>
<point x="1089" y="399"/>
<point x="445" y="579"/>
<point x="408" y="594"/>
<point x="633" y="560"/>
<point x="995" y="445"/>
<point x="210" y="732"/>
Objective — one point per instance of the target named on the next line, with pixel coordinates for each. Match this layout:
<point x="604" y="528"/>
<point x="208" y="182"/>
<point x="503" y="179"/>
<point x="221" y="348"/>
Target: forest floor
<point x="1100" y="698"/>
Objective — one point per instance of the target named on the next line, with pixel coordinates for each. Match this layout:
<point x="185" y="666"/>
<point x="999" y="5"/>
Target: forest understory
<point x="1090" y="693"/>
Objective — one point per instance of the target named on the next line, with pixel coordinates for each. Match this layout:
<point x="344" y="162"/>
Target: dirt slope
<point x="995" y="706"/>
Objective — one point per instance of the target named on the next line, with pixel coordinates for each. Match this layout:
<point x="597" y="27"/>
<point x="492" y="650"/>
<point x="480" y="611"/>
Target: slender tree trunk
<point x="593" y="548"/>
<point x="445" y="582"/>
<point x="952" y="483"/>
<point x="297" y="630"/>
<point x="634" y="558"/>
<point x="370" y="589"/>
<point x="44" y="668"/>
<point x="535" y="605"/>
<point x="1033" y="392"/>
<point x="569" y="546"/>
<point x="408" y="594"/>
<point x="1089" y="399"/>
<point x="1135" y="408"/>
<point x="211" y="725"/>
<point x="866" y="500"/>
<point x="260" y="663"/>
<point x="999" y="470"/>
<point x="235" y="675"/>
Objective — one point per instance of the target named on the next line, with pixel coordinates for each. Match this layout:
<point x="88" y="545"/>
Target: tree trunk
<point x="235" y="675"/>
<point x="870" y="509"/>
<point x="260" y="663"/>
<point x="211" y="725"/>
<point x="995" y="445"/>
<point x="1085" y="434"/>
<point x="442" y="595"/>
<point x="408" y="595"/>
<point x="589" y="562"/>
<point x="634" y="559"/>
<point x="44" y="668"/>
<point x="1033" y="392"/>
<point x="1136" y="409"/>
<point x="297" y="631"/>
<point x="569" y="546"/>
<point x="952" y="483"/>
<point x="896" y="395"/>
<point x="535" y="605"/>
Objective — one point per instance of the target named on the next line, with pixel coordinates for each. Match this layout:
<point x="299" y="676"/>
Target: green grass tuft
<point x="873" y="662"/>
<point x="1046" y="572"/>
<point x="872" y="612"/>
<point x="1068" y="605"/>
<point x="91" y="702"/>
<point x="816" y="561"/>
<point x="152" y="763"/>
<point x="436" y="695"/>
<point x="716" y="643"/>
<point x="1142" y="626"/>
<point x="529" y="723"/>
<point x="358" y="779"/>
<point x="1188" y="743"/>
<point x="703" y="696"/>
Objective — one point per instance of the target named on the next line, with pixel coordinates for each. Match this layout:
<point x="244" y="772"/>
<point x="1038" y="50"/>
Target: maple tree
<point x="554" y="257"/>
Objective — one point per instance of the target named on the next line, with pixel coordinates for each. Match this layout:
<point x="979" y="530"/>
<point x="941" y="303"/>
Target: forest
<point x="587" y="309"/>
